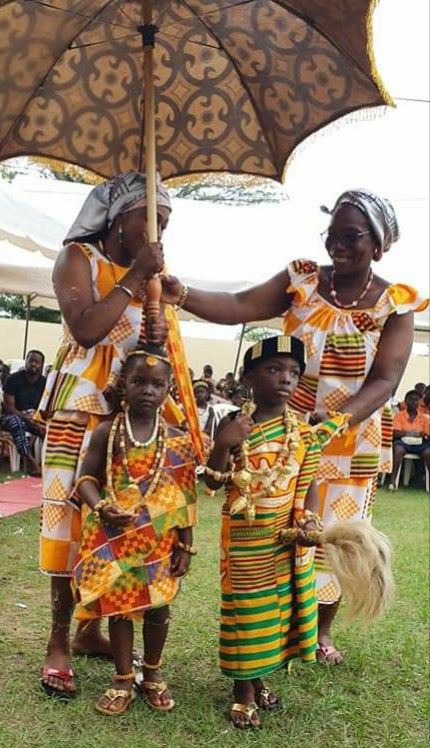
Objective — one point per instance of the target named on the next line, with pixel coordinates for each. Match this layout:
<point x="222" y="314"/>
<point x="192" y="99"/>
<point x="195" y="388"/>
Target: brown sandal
<point x="267" y="699"/>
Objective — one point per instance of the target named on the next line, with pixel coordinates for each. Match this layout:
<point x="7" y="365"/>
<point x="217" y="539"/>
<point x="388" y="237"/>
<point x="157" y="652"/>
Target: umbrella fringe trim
<point x="376" y="76"/>
<point x="367" y="114"/>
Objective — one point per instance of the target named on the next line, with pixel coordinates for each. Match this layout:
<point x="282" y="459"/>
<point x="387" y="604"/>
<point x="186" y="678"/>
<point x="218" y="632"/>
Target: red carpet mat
<point x="19" y="495"/>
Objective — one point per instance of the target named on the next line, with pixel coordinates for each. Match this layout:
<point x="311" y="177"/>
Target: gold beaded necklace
<point x="153" y="475"/>
<point x="246" y="475"/>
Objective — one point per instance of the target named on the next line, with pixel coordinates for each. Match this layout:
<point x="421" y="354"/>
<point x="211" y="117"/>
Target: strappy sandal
<point x="250" y="711"/>
<point x="63" y="675"/>
<point x="112" y="694"/>
<point x="160" y="687"/>
<point x="266" y="699"/>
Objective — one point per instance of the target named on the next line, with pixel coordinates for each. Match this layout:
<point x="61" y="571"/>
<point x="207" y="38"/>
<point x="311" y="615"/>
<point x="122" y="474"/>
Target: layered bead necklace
<point x="246" y="475"/>
<point x="122" y="426"/>
<point x="352" y="304"/>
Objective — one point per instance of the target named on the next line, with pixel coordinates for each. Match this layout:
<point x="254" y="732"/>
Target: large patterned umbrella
<point x="238" y="83"/>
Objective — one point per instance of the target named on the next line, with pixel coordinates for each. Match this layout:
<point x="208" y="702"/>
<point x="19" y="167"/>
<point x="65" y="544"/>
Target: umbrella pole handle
<point x="148" y="30"/>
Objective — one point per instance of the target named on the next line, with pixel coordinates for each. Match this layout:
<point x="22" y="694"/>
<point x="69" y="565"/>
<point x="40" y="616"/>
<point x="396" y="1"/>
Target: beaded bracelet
<point x="217" y="475"/>
<point x="186" y="548"/>
<point x="183" y="297"/>
<point x="101" y="505"/>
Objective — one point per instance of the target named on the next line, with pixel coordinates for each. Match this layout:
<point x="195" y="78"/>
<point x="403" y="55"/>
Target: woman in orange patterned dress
<point x="358" y="333"/>
<point x="98" y="278"/>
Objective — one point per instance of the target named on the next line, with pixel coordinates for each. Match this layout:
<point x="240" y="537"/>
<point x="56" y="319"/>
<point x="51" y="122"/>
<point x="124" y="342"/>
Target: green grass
<point x="375" y="699"/>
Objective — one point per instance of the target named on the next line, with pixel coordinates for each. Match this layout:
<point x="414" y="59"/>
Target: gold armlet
<point x="186" y="548"/>
<point x="83" y="478"/>
<point x="183" y="297"/>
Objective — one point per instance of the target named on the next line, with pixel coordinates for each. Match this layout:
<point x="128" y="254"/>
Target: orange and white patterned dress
<point x="73" y="404"/>
<point x="341" y="345"/>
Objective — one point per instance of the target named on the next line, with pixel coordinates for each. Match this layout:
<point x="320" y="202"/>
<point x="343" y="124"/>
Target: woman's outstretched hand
<point x="172" y="289"/>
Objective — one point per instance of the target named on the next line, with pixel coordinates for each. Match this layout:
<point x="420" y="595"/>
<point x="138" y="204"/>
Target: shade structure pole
<point x="239" y="350"/>
<point x="148" y="31"/>
<point x="27" y="322"/>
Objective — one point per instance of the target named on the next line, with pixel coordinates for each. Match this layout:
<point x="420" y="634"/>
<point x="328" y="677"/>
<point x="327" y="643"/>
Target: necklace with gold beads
<point x="285" y="465"/>
<point x="153" y="475"/>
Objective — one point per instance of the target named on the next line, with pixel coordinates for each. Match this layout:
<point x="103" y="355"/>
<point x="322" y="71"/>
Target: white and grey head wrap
<point x="107" y="201"/>
<point x="378" y="211"/>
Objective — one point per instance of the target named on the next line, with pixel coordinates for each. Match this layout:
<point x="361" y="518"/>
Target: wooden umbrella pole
<point x="148" y="30"/>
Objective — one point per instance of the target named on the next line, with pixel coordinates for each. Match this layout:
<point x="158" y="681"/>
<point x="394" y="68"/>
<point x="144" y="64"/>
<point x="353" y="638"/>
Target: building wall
<point x="220" y="353"/>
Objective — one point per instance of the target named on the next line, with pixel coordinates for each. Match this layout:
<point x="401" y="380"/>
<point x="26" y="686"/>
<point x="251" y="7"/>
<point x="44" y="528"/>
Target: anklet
<point x="118" y="678"/>
<point x="151" y="667"/>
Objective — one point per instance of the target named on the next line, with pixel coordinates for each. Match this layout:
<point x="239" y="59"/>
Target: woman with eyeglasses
<point x="358" y="332"/>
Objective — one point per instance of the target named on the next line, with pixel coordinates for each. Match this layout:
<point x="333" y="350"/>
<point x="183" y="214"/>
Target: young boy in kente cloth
<point x="267" y="460"/>
<point x="138" y="480"/>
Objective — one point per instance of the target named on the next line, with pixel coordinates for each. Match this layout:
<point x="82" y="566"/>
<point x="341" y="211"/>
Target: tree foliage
<point x="14" y="306"/>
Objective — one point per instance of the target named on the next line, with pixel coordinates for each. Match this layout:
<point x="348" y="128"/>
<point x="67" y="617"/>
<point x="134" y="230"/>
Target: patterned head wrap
<point x="276" y="346"/>
<point x="107" y="201"/>
<point x="378" y="211"/>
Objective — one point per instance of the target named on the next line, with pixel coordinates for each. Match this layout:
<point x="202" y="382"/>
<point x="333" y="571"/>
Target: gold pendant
<point x="242" y="479"/>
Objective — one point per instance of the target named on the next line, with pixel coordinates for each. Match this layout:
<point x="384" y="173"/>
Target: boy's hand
<point x="235" y="432"/>
<point x="113" y="515"/>
<point x="181" y="561"/>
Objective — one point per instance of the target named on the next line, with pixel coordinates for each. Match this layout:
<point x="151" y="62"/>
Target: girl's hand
<point x="303" y="530"/>
<point x="181" y="561"/>
<point x="235" y="432"/>
<point x="149" y="259"/>
<point x="113" y="515"/>
<point x="172" y="289"/>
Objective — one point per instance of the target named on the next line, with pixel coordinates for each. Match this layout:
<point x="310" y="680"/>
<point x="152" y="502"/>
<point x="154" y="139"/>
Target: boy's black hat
<point x="276" y="346"/>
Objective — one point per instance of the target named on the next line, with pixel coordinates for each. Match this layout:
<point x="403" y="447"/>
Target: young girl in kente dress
<point x="138" y="480"/>
<point x="267" y="460"/>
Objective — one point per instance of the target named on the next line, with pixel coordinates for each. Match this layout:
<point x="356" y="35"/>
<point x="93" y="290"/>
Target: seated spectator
<point x="22" y="392"/>
<point x="411" y="435"/>
<point x="420" y="387"/>
<point x="227" y="385"/>
<point x="239" y="396"/>
<point x="424" y="404"/>
<point x="202" y="393"/>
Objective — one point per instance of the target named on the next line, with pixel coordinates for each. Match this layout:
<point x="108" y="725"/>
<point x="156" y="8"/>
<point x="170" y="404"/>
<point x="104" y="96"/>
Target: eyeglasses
<point x="347" y="238"/>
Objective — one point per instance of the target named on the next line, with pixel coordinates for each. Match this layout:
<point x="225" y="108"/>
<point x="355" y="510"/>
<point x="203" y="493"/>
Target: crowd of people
<point x="120" y="464"/>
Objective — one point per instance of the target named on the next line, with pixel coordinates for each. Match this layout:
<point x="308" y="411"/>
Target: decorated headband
<point x="152" y="359"/>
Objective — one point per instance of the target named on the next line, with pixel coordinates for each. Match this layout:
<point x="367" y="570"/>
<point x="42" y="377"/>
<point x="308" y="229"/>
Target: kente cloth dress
<point x="126" y="571"/>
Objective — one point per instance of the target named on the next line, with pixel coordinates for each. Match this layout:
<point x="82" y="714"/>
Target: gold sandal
<point x="112" y="694"/>
<point x="158" y="687"/>
<point x="249" y="710"/>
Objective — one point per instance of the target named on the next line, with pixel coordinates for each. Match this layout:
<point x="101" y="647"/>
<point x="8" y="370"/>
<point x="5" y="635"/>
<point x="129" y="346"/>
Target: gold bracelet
<point x="183" y="297"/>
<point x="90" y="478"/>
<point x="186" y="548"/>
<point x="309" y="516"/>
<point x="100" y="505"/>
<point x="217" y="475"/>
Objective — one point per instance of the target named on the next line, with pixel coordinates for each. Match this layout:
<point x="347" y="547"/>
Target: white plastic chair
<point x="406" y="464"/>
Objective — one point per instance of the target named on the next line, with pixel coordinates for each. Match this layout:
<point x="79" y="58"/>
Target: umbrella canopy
<point x="239" y="84"/>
